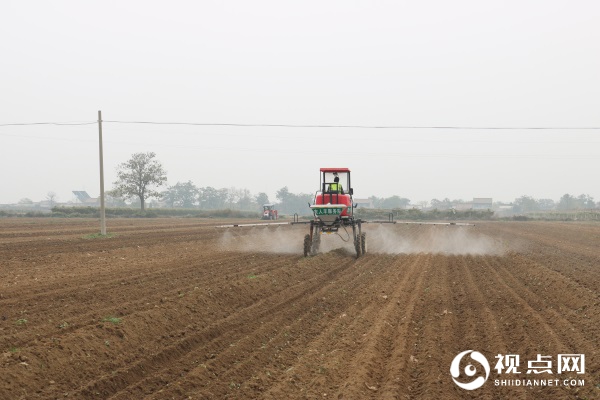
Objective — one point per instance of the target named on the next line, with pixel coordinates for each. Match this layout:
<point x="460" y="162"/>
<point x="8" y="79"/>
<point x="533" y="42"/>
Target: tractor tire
<point x="357" y="246"/>
<point x="363" y="243"/>
<point x="307" y="245"/>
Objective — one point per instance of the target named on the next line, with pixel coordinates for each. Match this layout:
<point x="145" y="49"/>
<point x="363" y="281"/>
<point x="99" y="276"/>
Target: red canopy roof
<point x="335" y="170"/>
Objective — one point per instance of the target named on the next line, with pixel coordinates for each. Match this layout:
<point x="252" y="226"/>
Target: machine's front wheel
<point x="307" y="245"/>
<point x="363" y="243"/>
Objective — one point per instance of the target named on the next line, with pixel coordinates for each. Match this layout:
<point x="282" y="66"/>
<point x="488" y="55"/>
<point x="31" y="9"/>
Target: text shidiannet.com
<point x="539" y="382"/>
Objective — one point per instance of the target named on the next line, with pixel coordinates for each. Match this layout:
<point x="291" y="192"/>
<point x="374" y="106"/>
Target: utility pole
<point x="102" y="213"/>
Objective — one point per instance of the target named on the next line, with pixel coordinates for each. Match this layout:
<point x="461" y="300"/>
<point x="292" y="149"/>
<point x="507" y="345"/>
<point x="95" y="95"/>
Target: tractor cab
<point x="335" y="190"/>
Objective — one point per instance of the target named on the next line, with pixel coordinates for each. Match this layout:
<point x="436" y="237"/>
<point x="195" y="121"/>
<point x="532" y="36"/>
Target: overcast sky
<point x="375" y="63"/>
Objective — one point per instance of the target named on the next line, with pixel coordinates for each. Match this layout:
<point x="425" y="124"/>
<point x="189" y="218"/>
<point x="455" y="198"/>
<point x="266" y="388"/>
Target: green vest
<point x="335" y="187"/>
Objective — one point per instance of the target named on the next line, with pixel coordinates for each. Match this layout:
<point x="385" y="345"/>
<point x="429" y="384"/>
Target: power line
<point x="50" y="123"/>
<point x="358" y="126"/>
<point x="316" y="126"/>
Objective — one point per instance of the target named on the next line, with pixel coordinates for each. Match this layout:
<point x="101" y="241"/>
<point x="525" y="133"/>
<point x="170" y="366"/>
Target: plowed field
<point x="178" y="309"/>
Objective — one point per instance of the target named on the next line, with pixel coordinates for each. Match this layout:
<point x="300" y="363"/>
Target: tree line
<point x="525" y="204"/>
<point x="139" y="179"/>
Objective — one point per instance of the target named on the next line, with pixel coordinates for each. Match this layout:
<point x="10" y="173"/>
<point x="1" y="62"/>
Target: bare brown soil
<point x="178" y="309"/>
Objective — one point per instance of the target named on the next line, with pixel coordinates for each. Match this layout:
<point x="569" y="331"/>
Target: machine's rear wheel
<point x="307" y="245"/>
<point x="363" y="243"/>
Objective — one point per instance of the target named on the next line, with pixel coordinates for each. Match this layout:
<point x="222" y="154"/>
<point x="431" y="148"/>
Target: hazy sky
<point x="401" y="63"/>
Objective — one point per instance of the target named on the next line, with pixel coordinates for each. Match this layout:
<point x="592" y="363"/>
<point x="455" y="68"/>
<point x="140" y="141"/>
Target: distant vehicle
<point x="269" y="212"/>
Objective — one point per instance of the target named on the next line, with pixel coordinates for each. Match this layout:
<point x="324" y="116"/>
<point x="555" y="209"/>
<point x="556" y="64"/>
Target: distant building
<point x="84" y="198"/>
<point x="482" y="203"/>
<point x="364" y="203"/>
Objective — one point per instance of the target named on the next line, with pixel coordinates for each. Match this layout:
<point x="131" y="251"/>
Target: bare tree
<point x="138" y="176"/>
<point x="51" y="197"/>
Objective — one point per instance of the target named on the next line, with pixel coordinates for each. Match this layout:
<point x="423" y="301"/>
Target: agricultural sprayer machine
<point x="333" y="210"/>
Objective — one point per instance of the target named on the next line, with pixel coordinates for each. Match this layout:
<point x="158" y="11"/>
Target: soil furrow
<point x="216" y="335"/>
<point x="391" y="304"/>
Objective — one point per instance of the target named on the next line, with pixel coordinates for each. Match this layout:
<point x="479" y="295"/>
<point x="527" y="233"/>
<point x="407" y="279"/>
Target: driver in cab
<point x="336" y="186"/>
